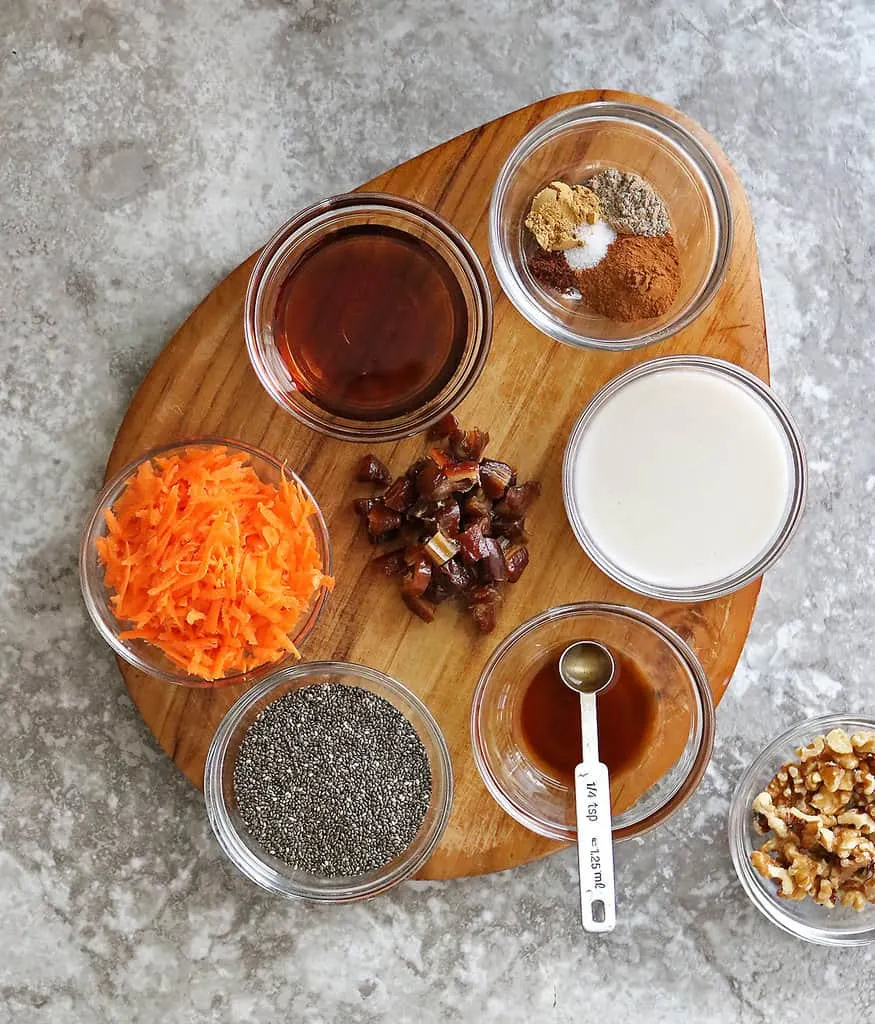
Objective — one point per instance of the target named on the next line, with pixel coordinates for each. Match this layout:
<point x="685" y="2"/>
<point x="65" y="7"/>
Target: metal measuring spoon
<point x="588" y="667"/>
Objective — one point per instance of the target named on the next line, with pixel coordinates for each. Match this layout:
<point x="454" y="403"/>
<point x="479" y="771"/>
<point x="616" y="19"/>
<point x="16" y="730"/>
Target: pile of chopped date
<point x="456" y="523"/>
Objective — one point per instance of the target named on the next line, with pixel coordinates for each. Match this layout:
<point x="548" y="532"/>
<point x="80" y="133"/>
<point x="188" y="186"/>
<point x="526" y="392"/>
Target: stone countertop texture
<point x="146" y="149"/>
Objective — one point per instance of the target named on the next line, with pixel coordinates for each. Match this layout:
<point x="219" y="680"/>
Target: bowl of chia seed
<point x="328" y="782"/>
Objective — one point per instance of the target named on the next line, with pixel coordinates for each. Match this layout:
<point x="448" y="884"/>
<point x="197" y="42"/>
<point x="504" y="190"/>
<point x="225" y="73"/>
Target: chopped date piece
<point x="484" y="616"/>
<point x="428" y="512"/>
<point x="441" y="549"/>
<point x="444" y="426"/>
<point x="484" y="608"/>
<point x="432" y="482"/>
<point x="427" y="479"/>
<point x="382" y="523"/>
<point x="495" y="478"/>
<point x="423" y="509"/>
<point x="462" y="475"/>
<point x="448" y="518"/>
<point x="476" y="505"/>
<point x="417" y="578"/>
<point x="458" y="575"/>
<point x="473" y="544"/>
<point x="445" y="489"/>
<point x="400" y="495"/>
<point x="420" y="606"/>
<point x="390" y="564"/>
<point x="519" y="499"/>
<point x="414" y="553"/>
<point x="492" y="565"/>
<point x="516" y="560"/>
<point x="468" y="444"/>
<point x="362" y="506"/>
<point x="413" y="472"/>
<point x="486" y="593"/>
<point x="484" y="525"/>
<point x="512" y="528"/>
<point x="371" y="471"/>
<point x="442" y="458"/>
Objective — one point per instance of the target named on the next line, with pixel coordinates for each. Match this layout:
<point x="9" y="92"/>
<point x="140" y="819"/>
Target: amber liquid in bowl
<point x="371" y="323"/>
<point x="550" y="728"/>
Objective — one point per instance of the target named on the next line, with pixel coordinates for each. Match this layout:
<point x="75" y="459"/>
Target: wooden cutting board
<point x="528" y="397"/>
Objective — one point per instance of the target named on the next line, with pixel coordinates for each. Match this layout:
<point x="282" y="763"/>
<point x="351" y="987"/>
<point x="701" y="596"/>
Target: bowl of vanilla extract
<point x="368" y="317"/>
<point x="655" y="720"/>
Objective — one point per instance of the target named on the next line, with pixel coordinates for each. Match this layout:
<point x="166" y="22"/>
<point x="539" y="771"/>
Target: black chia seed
<point x="333" y="780"/>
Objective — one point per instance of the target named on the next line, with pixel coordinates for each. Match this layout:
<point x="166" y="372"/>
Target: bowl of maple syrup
<point x="655" y="720"/>
<point x="368" y="317"/>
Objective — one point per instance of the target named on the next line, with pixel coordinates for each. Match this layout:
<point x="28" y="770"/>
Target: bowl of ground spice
<point x="610" y="226"/>
<point x="328" y="782"/>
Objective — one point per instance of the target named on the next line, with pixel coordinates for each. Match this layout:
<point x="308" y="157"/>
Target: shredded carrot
<point x="209" y="563"/>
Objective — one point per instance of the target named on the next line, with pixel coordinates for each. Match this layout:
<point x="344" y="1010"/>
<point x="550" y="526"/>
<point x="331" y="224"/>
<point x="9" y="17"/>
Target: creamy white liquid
<point x="682" y="478"/>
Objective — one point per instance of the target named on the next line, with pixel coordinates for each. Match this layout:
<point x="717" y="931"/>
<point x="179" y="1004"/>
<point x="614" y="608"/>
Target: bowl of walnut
<point x="802" y="831"/>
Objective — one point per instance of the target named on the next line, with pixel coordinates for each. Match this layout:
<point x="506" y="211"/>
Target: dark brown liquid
<point x="371" y="323"/>
<point x="550" y="720"/>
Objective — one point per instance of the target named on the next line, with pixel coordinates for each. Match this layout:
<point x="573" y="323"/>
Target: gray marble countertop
<point x="144" y="150"/>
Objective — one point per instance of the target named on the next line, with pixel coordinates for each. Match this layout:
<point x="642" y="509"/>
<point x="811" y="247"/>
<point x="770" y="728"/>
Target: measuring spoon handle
<point x="595" y="848"/>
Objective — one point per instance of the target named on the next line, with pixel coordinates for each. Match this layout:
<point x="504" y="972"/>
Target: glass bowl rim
<point x="776" y="910"/>
<point x="228" y="836"/>
<point x="113" y="488"/>
<point x="276" y="251"/>
<point x="793" y="516"/>
<point x="704" y="700"/>
<point x="693" y="153"/>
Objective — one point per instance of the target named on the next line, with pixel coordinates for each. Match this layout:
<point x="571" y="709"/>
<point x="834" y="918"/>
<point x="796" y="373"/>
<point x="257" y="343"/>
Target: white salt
<point x="594" y="241"/>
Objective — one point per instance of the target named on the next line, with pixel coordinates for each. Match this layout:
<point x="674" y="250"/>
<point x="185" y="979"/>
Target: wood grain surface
<point x="528" y="397"/>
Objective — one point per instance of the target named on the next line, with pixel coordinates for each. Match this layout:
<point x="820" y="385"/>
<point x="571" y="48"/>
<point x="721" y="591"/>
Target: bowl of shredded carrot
<point x="205" y="563"/>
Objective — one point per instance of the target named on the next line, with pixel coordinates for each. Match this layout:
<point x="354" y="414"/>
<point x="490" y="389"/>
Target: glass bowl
<point x="673" y="763"/>
<point x="297" y="239"/>
<point x="577" y="143"/>
<point x="139" y="653"/>
<point x="797" y="470"/>
<point x="825" y="926"/>
<point x="275" y="875"/>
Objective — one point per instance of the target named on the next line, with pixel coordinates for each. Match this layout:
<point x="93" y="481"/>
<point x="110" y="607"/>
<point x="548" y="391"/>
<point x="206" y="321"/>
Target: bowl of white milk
<point x="684" y="478"/>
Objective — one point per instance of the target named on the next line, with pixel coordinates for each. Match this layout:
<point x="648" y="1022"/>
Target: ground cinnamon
<point x="551" y="270"/>
<point x="638" y="279"/>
